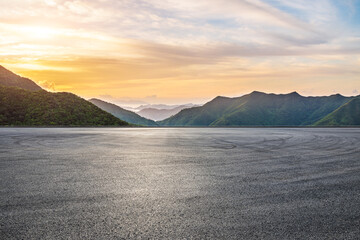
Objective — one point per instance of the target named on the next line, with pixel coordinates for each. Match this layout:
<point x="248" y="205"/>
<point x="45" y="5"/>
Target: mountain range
<point x="160" y="106"/>
<point x="261" y="109"/>
<point x="24" y="103"/>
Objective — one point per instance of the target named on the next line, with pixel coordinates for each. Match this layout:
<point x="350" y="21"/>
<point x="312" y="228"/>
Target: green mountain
<point x="23" y="103"/>
<point x="346" y="115"/>
<point x="19" y="107"/>
<point x="10" y="79"/>
<point x="259" y="109"/>
<point x="123" y="114"/>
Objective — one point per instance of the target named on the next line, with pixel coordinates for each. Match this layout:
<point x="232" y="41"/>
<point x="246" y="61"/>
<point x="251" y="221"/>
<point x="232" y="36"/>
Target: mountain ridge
<point x="346" y="115"/>
<point x="10" y="79"/>
<point x="259" y="109"/>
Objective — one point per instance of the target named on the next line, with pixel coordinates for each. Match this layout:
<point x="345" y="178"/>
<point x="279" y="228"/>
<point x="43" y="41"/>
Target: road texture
<point x="179" y="183"/>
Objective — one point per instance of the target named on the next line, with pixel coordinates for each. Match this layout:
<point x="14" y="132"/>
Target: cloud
<point x="50" y="86"/>
<point x="173" y="48"/>
<point x="260" y="27"/>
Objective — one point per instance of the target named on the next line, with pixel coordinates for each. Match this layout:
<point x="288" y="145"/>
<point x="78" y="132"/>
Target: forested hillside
<point x="19" y="107"/>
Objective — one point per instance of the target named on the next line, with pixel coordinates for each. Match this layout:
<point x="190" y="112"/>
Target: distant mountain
<point x="19" y="107"/>
<point x="161" y="114"/>
<point x="10" y="79"/>
<point x="162" y="106"/>
<point x="259" y="109"/>
<point x="346" y="115"/>
<point x="121" y="113"/>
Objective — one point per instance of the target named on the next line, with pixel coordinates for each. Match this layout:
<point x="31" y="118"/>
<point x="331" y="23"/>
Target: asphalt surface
<point x="137" y="183"/>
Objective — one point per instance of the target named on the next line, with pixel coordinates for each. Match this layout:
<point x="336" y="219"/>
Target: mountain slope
<point x="10" y="79"/>
<point x="121" y="113"/>
<point x="160" y="114"/>
<point x="19" y="107"/>
<point x="346" y="115"/>
<point x="258" y="109"/>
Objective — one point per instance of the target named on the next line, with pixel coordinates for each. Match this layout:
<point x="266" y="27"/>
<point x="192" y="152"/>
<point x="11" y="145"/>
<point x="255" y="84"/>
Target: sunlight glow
<point x="39" y="32"/>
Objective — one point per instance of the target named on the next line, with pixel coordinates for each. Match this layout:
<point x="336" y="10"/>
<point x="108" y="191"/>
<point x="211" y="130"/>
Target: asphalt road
<point x="137" y="183"/>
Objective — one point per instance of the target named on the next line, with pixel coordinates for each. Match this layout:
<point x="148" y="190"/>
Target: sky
<point x="133" y="52"/>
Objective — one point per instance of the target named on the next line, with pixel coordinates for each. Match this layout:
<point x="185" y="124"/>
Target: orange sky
<point x="134" y="52"/>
